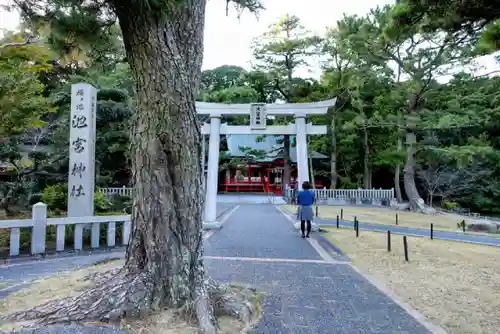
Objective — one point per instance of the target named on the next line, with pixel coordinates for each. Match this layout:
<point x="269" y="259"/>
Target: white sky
<point x="228" y="39"/>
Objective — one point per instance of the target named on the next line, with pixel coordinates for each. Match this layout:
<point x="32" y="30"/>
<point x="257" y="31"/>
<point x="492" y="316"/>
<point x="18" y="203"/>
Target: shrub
<point x="35" y="198"/>
<point x="101" y="203"/>
<point x="461" y="224"/>
<point x="450" y="205"/>
<point x="121" y="203"/>
<point x="56" y="197"/>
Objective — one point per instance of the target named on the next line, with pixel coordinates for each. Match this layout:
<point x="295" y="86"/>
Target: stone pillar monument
<point x="81" y="171"/>
<point x="81" y="178"/>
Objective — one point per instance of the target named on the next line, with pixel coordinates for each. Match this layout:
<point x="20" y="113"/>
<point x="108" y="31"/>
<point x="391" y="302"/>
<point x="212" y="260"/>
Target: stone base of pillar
<point x="314" y="226"/>
<point x="215" y="225"/>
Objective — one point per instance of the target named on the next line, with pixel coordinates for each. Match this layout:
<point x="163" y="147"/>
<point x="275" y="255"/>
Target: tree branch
<point x="27" y="41"/>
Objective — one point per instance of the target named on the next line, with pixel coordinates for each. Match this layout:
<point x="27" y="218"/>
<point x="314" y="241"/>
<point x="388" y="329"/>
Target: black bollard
<point x="432" y="231"/>
<point x="355" y="220"/>
<point x="405" y="245"/>
<point x="316" y="211"/>
<point x="396" y="219"/>
<point x="337" y="221"/>
<point x="342" y="214"/>
<point x="388" y="241"/>
<point x="357" y="229"/>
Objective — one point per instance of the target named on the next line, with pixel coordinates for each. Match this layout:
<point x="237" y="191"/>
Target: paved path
<point x="258" y="231"/>
<point x="422" y="232"/>
<point x="304" y="293"/>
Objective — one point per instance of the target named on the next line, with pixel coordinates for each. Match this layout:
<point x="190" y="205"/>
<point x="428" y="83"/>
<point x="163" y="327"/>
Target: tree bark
<point x="397" y="174"/>
<point x="333" y="154"/>
<point x="409" y="177"/>
<point x="165" y="51"/>
<point x="311" y="168"/>
<point x="397" y="169"/>
<point x="366" y="160"/>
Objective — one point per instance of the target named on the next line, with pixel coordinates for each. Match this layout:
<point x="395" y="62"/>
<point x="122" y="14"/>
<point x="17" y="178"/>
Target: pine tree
<point x="164" y="46"/>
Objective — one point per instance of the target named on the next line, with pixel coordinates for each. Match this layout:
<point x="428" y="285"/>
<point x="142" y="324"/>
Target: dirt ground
<point x="386" y="216"/>
<point x="70" y="284"/>
<point x="455" y="285"/>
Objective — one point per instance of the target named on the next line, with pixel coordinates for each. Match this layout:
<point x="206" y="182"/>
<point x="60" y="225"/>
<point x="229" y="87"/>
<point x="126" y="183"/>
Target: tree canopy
<point x="454" y="15"/>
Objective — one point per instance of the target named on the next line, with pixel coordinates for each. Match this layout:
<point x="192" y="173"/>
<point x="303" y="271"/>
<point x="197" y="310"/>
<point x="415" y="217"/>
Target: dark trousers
<point x="303" y="226"/>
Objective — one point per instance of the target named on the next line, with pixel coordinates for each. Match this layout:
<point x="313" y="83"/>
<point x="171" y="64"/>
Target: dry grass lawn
<point x="444" y="222"/>
<point x="69" y="284"/>
<point x="455" y="285"/>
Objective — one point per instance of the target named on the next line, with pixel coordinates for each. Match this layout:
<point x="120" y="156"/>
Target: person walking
<point x="305" y="200"/>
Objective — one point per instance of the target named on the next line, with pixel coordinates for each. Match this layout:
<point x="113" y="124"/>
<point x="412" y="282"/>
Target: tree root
<point x="116" y="294"/>
<point x="109" y="301"/>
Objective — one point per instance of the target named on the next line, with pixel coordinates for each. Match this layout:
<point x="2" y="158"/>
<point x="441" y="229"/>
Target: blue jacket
<point x="305" y="198"/>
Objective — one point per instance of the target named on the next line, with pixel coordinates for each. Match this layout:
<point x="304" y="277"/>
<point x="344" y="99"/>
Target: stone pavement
<point x="258" y="231"/>
<point x="304" y="293"/>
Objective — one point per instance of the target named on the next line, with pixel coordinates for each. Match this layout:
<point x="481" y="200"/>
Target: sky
<point x="228" y="39"/>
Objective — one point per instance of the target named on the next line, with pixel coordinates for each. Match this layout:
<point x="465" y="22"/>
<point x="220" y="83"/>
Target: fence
<point x="123" y="191"/>
<point x="323" y="195"/>
<point x="358" y="196"/>
<point x="39" y="222"/>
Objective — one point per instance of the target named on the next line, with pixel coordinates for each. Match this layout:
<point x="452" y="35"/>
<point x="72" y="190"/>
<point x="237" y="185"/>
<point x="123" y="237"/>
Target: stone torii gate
<point x="258" y="116"/>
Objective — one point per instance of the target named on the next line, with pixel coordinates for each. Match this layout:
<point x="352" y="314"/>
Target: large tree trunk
<point x="333" y="155"/>
<point x="397" y="174"/>
<point x="366" y="161"/>
<point x="311" y="170"/>
<point x="397" y="169"/>
<point x="409" y="177"/>
<point x="165" y="54"/>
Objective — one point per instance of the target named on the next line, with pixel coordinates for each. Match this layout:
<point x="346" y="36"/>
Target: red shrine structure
<point x="263" y="174"/>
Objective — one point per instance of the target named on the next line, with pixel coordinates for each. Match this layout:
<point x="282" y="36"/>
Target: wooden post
<point x="388" y="241"/>
<point x="405" y="245"/>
